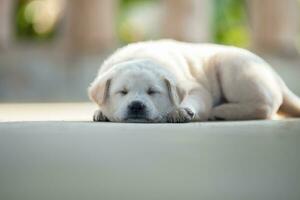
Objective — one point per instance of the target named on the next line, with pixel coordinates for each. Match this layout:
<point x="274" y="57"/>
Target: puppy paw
<point x="99" y="117"/>
<point x="180" y="115"/>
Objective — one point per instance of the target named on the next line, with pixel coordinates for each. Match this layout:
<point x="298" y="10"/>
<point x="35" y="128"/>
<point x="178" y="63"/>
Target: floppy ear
<point x="172" y="91"/>
<point x="99" y="90"/>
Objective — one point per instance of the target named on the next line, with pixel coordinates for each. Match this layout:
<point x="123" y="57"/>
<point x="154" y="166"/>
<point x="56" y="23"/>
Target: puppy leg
<point x="99" y="117"/>
<point x="250" y="89"/>
<point x="199" y="102"/>
<point x="242" y="111"/>
<point x="195" y="106"/>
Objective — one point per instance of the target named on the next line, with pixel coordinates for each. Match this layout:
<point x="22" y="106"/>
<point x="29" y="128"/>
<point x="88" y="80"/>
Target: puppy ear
<point x="99" y="90"/>
<point x="172" y="91"/>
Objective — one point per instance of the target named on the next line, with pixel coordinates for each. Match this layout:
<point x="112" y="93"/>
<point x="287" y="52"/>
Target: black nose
<point x="136" y="107"/>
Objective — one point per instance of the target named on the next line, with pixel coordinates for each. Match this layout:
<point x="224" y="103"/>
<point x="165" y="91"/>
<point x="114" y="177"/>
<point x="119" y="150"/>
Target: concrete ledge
<point x="254" y="160"/>
<point x="14" y="112"/>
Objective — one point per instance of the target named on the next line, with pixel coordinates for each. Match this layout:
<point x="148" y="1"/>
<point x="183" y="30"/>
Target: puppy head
<point x="135" y="92"/>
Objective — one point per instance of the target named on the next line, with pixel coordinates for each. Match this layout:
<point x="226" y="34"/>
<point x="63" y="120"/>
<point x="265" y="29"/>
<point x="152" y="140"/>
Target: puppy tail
<point x="291" y="102"/>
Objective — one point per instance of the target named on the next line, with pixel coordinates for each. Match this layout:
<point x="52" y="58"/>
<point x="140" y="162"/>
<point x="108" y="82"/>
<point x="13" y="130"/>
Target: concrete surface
<point x="14" y="112"/>
<point x="253" y="160"/>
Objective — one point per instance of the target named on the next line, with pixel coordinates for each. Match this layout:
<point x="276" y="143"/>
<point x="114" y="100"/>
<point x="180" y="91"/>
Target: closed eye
<point x="151" y="91"/>
<point x="123" y="92"/>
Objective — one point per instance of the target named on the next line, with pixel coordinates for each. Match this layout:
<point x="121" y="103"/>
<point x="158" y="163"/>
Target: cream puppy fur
<point x="170" y="81"/>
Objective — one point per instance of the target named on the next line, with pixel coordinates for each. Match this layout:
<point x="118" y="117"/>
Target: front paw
<point x="180" y="115"/>
<point x="99" y="117"/>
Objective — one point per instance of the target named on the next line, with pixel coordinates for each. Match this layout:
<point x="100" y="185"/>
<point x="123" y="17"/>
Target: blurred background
<point x="50" y="50"/>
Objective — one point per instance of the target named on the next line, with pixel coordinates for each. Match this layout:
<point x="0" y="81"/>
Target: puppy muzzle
<point x="137" y="112"/>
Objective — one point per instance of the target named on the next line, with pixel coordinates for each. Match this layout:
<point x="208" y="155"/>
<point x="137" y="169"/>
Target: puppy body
<point x="206" y="81"/>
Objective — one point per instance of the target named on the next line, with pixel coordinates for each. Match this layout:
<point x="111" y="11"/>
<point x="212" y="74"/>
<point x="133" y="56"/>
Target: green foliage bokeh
<point x="229" y="25"/>
<point x="24" y="28"/>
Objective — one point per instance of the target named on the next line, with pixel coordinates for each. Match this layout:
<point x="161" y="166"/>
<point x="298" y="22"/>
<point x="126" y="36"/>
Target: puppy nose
<point x="136" y="107"/>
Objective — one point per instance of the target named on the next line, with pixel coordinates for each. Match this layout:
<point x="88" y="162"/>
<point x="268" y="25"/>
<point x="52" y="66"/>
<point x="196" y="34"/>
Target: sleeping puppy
<point x="170" y="81"/>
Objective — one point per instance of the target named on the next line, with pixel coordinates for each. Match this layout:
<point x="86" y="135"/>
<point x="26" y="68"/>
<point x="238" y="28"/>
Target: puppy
<point x="170" y="81"/>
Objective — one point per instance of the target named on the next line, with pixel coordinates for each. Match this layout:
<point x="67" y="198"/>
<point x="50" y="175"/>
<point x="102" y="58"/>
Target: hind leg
<point x="261" y="107"/>
<point x="250" y="89"/>
<point x="242" y="111"/>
